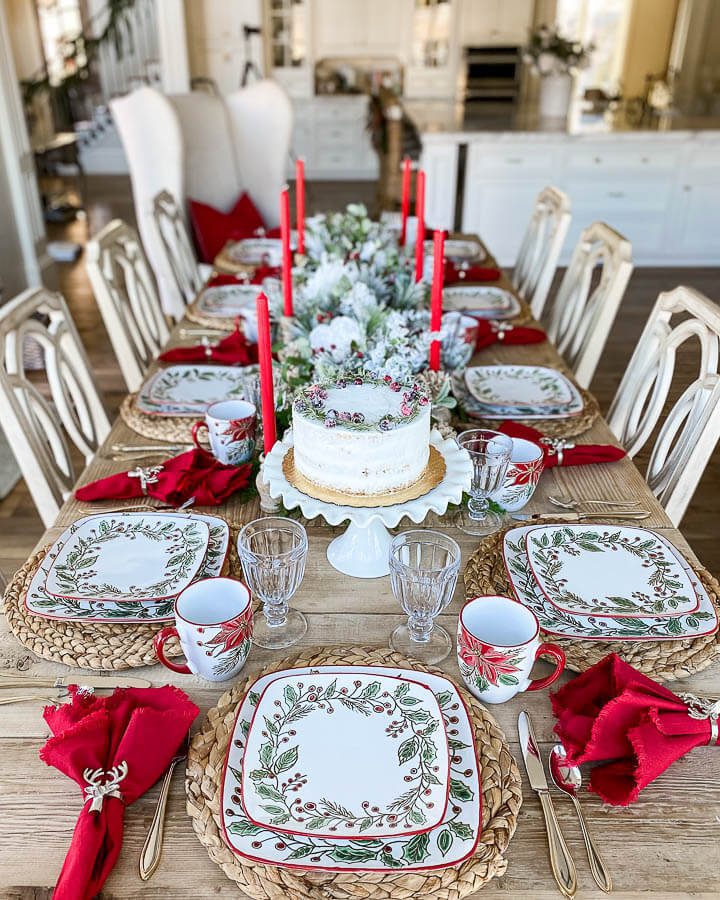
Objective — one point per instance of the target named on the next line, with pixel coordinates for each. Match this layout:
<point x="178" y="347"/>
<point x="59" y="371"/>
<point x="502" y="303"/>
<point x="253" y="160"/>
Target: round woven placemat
<point x="88" y="645"/>
<point x="221" y="323"/>
<point x="162" y="428"/>
<point x="501" y="799"/>
<point x="485" y="573"/>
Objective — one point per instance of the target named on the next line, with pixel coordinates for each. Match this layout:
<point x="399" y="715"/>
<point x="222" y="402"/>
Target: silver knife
<point x="563" y="867"/>
<point x="635" y="516"/>
<point x="97" y="682"/>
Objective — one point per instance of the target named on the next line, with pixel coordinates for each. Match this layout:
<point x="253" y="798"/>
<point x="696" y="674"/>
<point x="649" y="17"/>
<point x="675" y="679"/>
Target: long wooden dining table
<point x="665" y="845"/>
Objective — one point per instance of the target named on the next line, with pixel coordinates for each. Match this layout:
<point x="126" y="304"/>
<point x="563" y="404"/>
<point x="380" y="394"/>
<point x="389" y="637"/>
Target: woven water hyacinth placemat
<point x="485" y="573"/>
<point x="161" y="428"/>
<point x="501" y="800"/>
<point x="85" y="645"/>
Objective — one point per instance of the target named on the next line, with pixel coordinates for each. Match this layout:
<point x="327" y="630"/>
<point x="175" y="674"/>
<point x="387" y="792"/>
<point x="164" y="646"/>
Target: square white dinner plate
<point x="521" y="387"/>
<point x="609" y="570"/>
<point x="40" y="603"/>
<point x="129" y="556"/>
<point x="459" y="250"/>
<point x="448" y="844"/>
<point x="346" y="756"/>
<point x="188" y="389"/>
<point x="228" y="300"/>
<point x="481" y="302"/>
<point x="601" y="628"/>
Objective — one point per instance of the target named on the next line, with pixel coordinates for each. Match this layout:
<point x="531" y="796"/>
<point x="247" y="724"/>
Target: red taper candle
<point x="436" y="296"/>
<point x="420" y="216"/>
<point x="405" y="200"/>
<point x="300" y="204"/>
<point x="286" y="255"/>
<point x="266" y="373"/>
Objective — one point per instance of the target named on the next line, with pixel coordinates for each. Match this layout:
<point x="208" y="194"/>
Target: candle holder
<point x="268" y="504"/>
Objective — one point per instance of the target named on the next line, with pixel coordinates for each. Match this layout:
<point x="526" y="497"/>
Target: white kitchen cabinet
<point x="495" y="22"/>
<point x="359" y="28"/>
<point x="329" y="134"/>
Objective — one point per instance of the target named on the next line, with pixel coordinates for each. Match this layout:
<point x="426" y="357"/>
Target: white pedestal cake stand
<point x="363" y="549"/>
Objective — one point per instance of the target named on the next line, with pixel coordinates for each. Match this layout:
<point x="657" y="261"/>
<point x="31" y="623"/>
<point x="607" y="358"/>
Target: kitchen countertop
<point x="451" y="120"/>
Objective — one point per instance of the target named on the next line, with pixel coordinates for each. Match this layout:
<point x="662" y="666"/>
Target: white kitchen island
<point x="659" y="188"/>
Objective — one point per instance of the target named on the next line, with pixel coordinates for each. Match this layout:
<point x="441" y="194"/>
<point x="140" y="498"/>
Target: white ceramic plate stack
<point x="259" y="251"/>
<point x="230" y="301"/>
<point x="519" y="392"/>
<point x="126" y="567"/>
<point x="481" y="302"/>
<point x="607" y="582"/>
<point x="357" y="769"/>
<point x="188" y="390"/>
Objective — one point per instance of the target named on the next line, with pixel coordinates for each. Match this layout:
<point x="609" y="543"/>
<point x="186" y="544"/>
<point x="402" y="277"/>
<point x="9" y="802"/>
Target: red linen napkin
<point x="233" y="350"/>
<point x="613" y="712"/>
<point x="490" y="333"/>
<point x="193" y="474"/>
<point x="137" y="728"/>
<point x="457" y="275"/>
<point x="563" y="453"/>
<point x="213" y="228"/>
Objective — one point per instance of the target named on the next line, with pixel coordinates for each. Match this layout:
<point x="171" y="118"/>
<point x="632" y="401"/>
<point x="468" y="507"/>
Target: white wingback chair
<point x="38" y="427"/>
<point x="261" y="117"/>
<point x="582" y="313"/>
<point x="154" y="146"/>
<point x="125" y="292"/>
<point x="691" y="429"/>
<point x="541" y="247"/>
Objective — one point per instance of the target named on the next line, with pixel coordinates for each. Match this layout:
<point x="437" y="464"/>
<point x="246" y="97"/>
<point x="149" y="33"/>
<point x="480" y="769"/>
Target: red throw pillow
<point x="213" y="228"/>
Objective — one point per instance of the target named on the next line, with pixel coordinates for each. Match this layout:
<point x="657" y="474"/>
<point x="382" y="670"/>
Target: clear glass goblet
<point x="490" y="453"/>
<point x="273" y="551"/>
<point x="424" y="567"/>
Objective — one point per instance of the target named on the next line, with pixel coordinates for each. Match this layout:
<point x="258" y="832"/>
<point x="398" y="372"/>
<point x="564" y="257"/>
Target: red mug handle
<point x="159" y="642"/>
<point x="196" y="427"/>
<point x="557" y="654"/>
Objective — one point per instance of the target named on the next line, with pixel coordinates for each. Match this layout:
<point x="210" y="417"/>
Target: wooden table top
<point x="664" y="846"/>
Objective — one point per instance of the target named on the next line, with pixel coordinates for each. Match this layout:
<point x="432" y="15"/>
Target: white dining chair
<point x="152" y="138"/>
<point x="39" y="426"/>
<point x="582" y="313"/>
<point x="690" y="430"/>
<point x="541" y="247"/>
<point x="188" y="274"/>
<point x="127" y="298"/>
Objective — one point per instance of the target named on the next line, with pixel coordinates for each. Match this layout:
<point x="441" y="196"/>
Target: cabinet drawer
<point x="630" y="159"/>
<point x="502" y="161"/>
<point x="349" y="110"/>
<point x="338" y="136"/>
<point x="335" y="158"/>
<point x="603" y="200"/>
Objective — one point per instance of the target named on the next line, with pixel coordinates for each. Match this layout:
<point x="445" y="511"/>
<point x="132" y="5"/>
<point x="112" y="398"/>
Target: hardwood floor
<point x="109" y="197"/>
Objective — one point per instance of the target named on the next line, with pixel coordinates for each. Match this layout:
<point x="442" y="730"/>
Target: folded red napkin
<point x="213" y="228"/>
<point x="457" y="275"/>
<point x="561" y="452"/>
<point x="260" y="273"/>
<point x="128" y="738"/>
<point x="490" y="333"/>
<point x="193" y="474"/>
<point x="613" y="712"/>
<point x="233" y="350"/>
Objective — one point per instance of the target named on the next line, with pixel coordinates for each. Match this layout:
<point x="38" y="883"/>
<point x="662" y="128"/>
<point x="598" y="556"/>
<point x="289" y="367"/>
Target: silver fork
<point x="569" y="503"/>
<point x="152" y="848"/>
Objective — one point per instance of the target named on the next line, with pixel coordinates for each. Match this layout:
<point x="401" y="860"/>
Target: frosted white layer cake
<point x="361" y="434"/>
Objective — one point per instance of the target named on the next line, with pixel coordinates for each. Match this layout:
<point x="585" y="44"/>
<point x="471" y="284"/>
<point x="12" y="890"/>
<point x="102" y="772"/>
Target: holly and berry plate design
<point x="347" y="756"/>
<point x="40" y="602"/>
<point x="188" y="390"/>
<point x="139" y="556"/>
<point x="609" y="571"/>
<point x="522" y="390"/>
<point x="449" y="843"/>
<point x="228" y="301"/>
<point x="552" y="620"/>
<point x="481" y="302"/>
<point x="256" y="252"/>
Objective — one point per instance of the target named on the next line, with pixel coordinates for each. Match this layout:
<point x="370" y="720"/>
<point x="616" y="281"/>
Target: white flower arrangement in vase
<point x="555" y="59"/>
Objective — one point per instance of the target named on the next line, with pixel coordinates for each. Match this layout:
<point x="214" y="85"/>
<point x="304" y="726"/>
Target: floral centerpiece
<point x="556" y="59"/>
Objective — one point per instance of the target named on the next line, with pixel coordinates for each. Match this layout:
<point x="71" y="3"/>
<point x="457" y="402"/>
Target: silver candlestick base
<point x="268" y="504"/>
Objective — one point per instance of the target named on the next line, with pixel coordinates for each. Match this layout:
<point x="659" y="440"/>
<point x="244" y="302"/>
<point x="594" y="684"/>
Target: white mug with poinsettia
<point x="498" y="642"/>
<point x="231" y="426"/>
<point x="526" y="465"/>
<point x="214" y="623"/>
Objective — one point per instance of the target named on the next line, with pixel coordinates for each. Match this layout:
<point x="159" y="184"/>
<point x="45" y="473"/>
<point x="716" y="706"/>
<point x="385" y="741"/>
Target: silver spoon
<point x="568" y="779"/>
<point x="569" y="503"/>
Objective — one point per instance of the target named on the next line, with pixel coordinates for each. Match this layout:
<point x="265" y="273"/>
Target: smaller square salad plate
<point x="609" y="571"/>
<point x="138" y="556"/>
<point x="700" y="621"/>
<point x="259" y="251"/>
<point x="448" y="843"/>
<point x="228" y="301"/>
<point x="522" y="391"/>
<point x="481" y="302"/>
<point x="348" y="756"/>
<point x="188" y="390"/>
